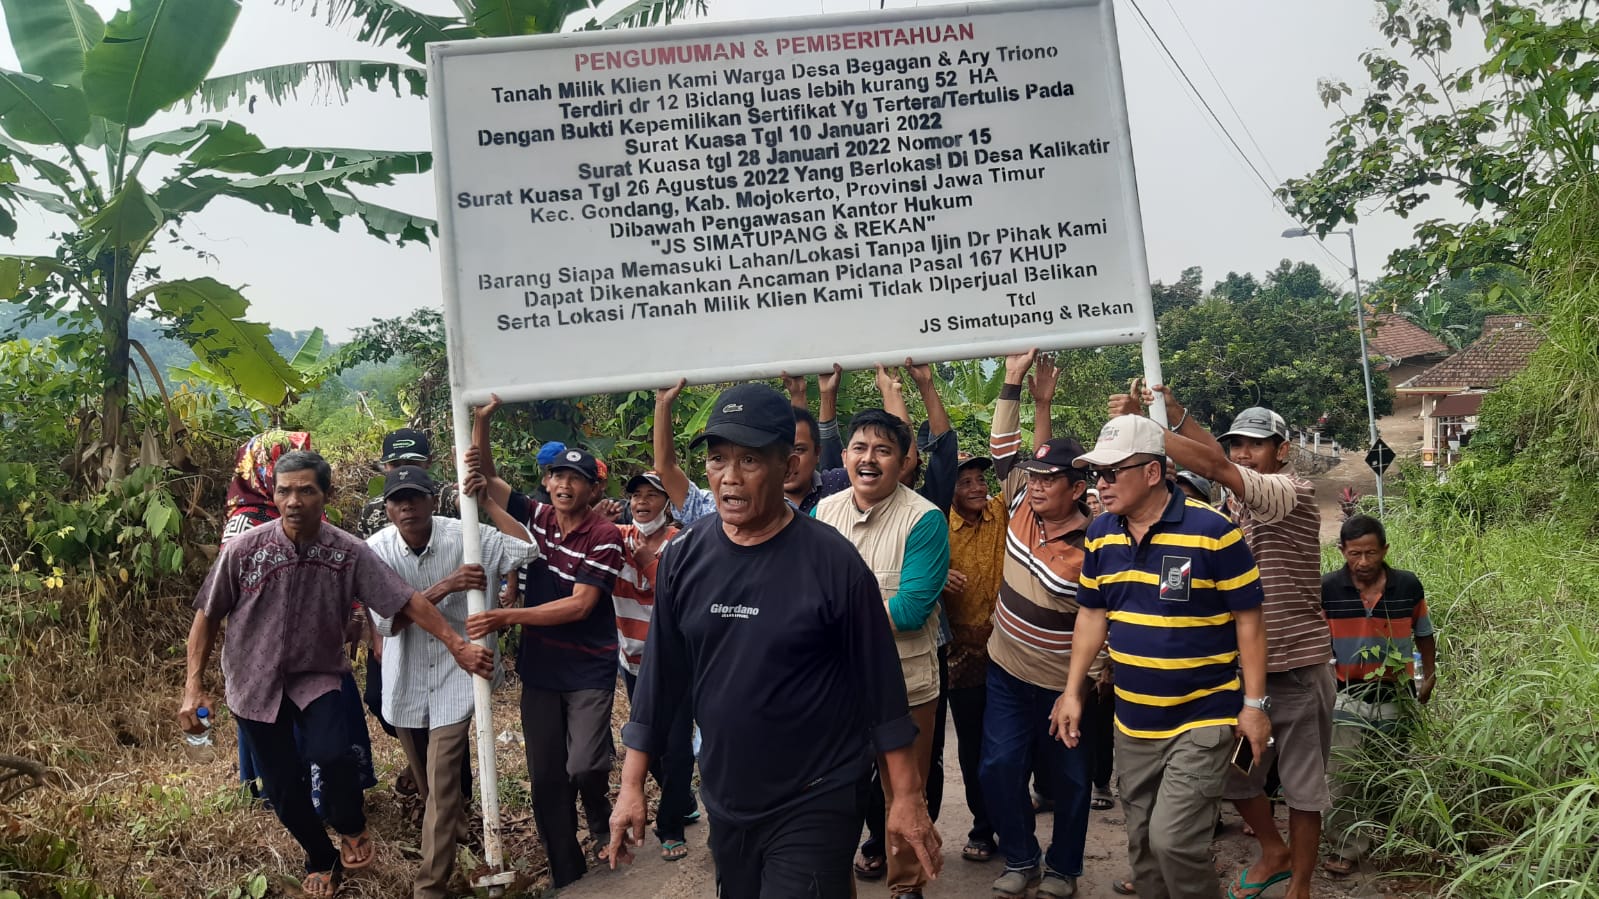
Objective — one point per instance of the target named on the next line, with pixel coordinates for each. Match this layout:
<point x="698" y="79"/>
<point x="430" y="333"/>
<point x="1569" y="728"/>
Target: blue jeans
<point x="1016" y="718"/>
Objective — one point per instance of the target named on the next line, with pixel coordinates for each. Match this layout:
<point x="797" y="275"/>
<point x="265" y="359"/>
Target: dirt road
<point x="1401" y="432"/>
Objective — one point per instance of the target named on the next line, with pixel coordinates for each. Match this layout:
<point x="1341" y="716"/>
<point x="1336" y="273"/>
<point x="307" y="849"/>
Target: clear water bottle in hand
<point x="203" y="738"/>
<point x="1416" y="672"/>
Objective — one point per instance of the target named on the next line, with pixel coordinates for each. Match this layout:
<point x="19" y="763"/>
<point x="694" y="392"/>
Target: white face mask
<point x="648" y="528"/>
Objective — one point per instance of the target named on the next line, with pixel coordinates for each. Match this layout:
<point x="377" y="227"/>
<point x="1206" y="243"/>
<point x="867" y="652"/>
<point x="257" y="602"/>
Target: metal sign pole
<point x="1135" y="224"/>
<point x="496" y="879"/>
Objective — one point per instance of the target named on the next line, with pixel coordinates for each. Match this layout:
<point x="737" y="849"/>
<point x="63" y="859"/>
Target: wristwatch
<point x="1263" y="703"/>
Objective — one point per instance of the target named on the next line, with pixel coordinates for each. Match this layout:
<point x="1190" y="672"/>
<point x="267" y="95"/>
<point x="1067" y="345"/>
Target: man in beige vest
<point x="905" y="541"/>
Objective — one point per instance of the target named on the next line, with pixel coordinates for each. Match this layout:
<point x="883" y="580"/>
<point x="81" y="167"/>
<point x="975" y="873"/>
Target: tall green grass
<point x="1496" y="787"/>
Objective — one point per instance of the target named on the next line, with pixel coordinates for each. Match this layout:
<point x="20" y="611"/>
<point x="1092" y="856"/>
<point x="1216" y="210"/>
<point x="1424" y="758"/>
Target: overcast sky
<point x="1201" y="204"/>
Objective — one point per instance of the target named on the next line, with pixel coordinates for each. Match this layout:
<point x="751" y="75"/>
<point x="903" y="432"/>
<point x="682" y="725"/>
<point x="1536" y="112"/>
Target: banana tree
<point x="392" y="23"/>
<point x="75" y="142"/>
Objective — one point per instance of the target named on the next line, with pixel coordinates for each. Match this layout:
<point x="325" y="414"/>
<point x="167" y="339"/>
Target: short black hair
<point x="805" y="416"/>
<point x="305" y="460"/>
<point x="1359" y="526"/>
<point x="883" y="423"/>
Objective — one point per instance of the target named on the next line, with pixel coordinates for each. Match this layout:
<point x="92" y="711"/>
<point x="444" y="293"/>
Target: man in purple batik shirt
<point x="286" y="589"/>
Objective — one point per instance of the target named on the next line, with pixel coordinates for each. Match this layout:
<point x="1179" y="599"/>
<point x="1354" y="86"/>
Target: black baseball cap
<point x="577" y="460"/>
<point x="965" y="460"/>
<point x="752" y="415"/>
<point x="406" y="445"/>
<point x="408" y="477"/>
<point x="1055" y="457"/>
<point x="646" y="479"/>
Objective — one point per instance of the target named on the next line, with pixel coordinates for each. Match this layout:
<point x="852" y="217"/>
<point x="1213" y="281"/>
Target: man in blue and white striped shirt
<point x="430" y="703"/>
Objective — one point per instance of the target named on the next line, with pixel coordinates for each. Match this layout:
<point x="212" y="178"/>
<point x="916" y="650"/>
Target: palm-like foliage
<point x="72" y="144"/>
<point x="391" y="23"/>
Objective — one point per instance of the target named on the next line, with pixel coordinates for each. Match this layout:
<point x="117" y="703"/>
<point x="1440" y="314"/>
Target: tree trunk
<point x="114" y="399"/>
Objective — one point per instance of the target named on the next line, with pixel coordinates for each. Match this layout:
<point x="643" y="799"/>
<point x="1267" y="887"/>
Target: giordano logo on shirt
<point x="1176" y="573"/>
<point x="726" y="611"/>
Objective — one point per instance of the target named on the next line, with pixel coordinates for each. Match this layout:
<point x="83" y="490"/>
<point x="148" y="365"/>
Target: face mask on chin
<point x="648" y="528"/>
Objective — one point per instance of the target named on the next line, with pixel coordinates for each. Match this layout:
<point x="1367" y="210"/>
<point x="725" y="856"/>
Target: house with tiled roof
<point x="1404" y="350"/>
<point x="1451" y="392"/>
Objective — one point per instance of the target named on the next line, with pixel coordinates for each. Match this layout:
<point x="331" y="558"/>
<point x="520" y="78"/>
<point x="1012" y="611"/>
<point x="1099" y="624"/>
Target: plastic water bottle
<point x="203" y="738"/>
<point x="1417" y="674"/>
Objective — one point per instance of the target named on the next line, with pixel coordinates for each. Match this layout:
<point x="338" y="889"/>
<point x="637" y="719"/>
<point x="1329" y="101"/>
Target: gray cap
<point x="1260" y="422"/>
<point x="1198" y="482"/>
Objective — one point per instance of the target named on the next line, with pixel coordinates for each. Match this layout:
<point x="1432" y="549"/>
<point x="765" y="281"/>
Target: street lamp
<point x="1360" y="325"/>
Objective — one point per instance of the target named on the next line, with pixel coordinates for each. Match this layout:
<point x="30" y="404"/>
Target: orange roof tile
<point x="1498" y="355"/>
<point x="1399" y="338"/>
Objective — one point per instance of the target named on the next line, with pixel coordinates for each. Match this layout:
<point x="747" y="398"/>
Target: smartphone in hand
<point x="1244" y="755"/>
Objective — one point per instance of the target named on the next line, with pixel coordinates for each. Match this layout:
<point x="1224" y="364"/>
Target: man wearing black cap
<point x="1277" y="512"/>
<point x="567" y="659"/>
<point x="407" y="446"/>
<point x="431" y="703"/>
<point x="1030" y="649"/>
<point x="772" y="626"/>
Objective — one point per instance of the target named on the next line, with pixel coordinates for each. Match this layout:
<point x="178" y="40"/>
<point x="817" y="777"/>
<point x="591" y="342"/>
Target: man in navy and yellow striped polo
<point x="1173" y="586"/>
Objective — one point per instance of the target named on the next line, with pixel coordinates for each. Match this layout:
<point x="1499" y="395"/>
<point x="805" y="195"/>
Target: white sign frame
<point x="666" y="364"/>
<point x="464" y="396"/>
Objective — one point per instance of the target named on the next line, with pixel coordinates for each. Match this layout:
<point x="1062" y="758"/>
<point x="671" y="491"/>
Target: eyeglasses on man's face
<point x="1108" y="475"/>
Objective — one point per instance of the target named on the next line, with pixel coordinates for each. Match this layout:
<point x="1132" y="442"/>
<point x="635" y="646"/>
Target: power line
<point x="1219" y="86"/>
<point x="1206" y="103"/>
<point x="1183" y="73"/>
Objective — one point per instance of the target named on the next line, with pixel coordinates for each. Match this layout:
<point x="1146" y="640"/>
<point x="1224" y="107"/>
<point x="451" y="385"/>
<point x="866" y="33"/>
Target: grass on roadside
<point x="1498" y="787"/>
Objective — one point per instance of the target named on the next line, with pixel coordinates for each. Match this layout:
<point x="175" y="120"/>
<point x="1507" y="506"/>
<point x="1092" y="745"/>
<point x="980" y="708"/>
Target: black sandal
<point x="871" y="867"/>
<point x="978" y="851"/>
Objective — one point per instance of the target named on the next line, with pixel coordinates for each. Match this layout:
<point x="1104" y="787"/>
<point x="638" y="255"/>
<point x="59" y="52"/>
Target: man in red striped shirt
<point x="642" y="542"/>
<point x="1276" y="509"/>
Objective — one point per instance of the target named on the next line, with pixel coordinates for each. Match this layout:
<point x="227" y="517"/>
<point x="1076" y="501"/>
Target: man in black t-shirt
<point x="772" y="626"/>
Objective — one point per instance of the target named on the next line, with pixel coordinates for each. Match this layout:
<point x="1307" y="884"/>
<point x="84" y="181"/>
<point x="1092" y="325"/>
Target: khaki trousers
<point x="1170" y="790"/>
<point x="444" y="822"/>
<point x="905" y="874"/>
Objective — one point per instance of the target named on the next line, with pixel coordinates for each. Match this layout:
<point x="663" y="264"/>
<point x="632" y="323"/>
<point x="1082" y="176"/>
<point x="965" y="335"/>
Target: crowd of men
<point x="804" y="625"/>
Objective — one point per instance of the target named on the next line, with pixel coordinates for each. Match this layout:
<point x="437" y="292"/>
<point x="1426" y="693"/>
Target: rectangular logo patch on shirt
<point x="1175" y="574"/>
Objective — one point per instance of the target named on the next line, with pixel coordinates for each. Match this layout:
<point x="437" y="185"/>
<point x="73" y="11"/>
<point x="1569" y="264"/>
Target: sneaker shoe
<point x="1056" y="886"/>
<point x="1015" y="882"/>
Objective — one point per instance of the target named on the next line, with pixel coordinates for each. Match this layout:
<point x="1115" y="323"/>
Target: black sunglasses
<point x="1108" y="475"/>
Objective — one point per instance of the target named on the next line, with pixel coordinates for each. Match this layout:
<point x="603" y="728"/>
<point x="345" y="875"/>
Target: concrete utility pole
<point x="1365" y="357"/>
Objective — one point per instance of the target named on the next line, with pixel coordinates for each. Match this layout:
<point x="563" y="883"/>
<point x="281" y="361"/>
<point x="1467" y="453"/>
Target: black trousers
<point x="870" y="790"/>
<point x="801" y="852"/>
<point x="967" y="706"/>
<point x="287" y="781"/>
<point x="673" y="771"/>
<point x="1101" y="714"/>
<point x="569" y="757"/>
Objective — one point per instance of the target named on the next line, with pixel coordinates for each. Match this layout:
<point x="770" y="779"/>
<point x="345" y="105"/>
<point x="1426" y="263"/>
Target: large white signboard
<point x="623" y="208"/>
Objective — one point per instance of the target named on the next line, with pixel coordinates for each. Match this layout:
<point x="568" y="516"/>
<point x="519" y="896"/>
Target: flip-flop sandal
<point x="674" y="850"/>
<point x="692" y="817"/>
<point x="978" y="851"/>
<point x="871" y="867"/>
<point x="321" y="884"/>
<point x="1102" y="803"/>
<point x="1124" y="888"/>
<point x="1255" y="889"/>
<point x="351" y="850"/>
